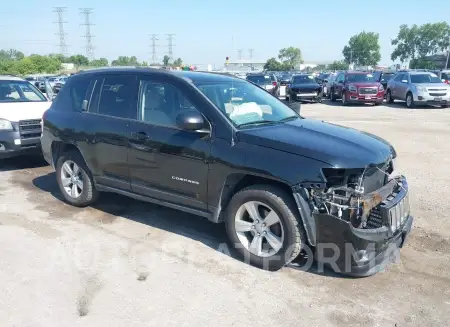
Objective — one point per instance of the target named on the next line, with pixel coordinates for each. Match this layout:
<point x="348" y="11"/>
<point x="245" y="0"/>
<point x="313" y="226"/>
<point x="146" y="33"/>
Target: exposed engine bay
<point x="354" y="195"/>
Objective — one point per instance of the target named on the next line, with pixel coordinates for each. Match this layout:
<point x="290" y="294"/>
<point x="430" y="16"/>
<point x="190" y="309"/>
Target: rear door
<point x="339" y="85"/>
<point x="402" y="87"/>
<point x="107" y="127"/>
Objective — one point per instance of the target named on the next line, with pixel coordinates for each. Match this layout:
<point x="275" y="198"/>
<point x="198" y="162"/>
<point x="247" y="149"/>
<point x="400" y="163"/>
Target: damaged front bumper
<point x="361" y="251"/>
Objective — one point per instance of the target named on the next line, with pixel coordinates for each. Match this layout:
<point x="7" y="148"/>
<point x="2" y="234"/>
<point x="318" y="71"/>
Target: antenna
<point x="154" y="45"/>
<point x="87" y="12"/>
<point x="250" y="53"/>
<point x="240" y="54"/>
<point x="61" y="33"/>
<point x="170" y="45"/>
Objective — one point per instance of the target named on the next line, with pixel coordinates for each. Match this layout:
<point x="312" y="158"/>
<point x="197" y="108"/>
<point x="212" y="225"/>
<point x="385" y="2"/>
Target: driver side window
<point x="160" y="103"/>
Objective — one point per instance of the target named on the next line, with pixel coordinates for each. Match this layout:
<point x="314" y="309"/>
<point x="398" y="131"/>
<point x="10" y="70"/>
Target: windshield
<point x="285" y="77"/>
<point x="424" y="78"/>
<point x="360" y="78"/>
<point x="304" y="79"/>
<point x="259" y="79"/>
<point x="19" y="91"/>
<point x="387" y="76"/>
<point x="244" y="103"/>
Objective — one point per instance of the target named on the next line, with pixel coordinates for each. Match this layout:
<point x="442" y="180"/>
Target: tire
<point x="389" y="97"/>
<point x="86" y="195"/>
<point x="444" y="106"/>
<point x="288" y="230"/>
<point x="409" y="100"/>
<point x="378" y="103"/>
<point x="344" y="99"/>
<point x="332" y="96"/>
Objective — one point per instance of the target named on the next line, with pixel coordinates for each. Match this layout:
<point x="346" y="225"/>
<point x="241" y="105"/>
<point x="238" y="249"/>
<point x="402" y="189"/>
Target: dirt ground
<point x="127" y="263"/>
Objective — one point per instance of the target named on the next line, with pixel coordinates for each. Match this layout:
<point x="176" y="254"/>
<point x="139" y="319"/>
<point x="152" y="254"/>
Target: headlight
<point x="381" y="88"/>
<point x="421" y="89"/>
<point x="5" y="125"/>
<point x="352" y="88"/>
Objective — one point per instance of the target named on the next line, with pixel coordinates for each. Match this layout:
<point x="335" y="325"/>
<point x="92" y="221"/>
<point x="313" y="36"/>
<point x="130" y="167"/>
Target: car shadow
<point x="22" y="162"/>
<point x="402" y="105"/>
<point x="173" y="221"/>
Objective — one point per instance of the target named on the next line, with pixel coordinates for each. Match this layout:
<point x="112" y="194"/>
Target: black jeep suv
<point x="223" y="148"/>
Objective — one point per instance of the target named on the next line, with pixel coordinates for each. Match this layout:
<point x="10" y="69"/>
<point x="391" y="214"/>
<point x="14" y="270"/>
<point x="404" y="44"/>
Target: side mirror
<point x="325" y="81"/>
<point x="190" y="120"/>
<point x="404" y="81"/>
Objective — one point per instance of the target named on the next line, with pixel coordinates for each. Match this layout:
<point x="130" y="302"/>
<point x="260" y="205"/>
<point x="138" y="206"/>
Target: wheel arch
<point x="60" y="147"/>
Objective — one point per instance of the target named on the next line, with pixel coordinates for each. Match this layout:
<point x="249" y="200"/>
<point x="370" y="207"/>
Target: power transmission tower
<point x="87" y="12"/>
<point x="250" y="53"/>
<point x="170" y="45"/>
<point x="240" y="54"/>
<point x="61" y="33"/>
<point x="154" y="38"/>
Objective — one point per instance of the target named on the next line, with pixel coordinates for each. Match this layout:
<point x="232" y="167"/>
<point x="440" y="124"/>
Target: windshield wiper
<point x="258" y="122"/>
<point x="289" y="118"/>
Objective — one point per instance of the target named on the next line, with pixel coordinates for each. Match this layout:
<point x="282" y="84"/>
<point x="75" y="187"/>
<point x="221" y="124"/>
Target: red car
<point x="357" y="87"/>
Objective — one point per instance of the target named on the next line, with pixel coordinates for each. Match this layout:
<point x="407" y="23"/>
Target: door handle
<point x="140" y="135"/>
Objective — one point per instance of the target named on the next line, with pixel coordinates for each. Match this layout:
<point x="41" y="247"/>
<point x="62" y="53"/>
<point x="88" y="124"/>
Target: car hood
<point x="305" y="86"/>
<point x="339" y="146"/>
<point x="16" y="111"/>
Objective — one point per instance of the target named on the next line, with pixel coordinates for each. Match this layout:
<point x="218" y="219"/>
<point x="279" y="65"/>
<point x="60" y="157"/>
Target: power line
<point x="87" y="12"/>
<point x="240" y="54"/>
<point x="61" y="33"/>
<point x="154" y="45"/>
<point x="250" y="53"/>
<point x="170" y="45"/>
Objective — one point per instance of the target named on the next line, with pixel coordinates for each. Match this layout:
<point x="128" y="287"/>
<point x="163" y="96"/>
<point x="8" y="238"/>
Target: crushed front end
<point x="358" y="218"/>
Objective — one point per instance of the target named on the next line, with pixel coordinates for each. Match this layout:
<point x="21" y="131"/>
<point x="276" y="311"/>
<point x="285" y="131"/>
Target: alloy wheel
<point x="72" y="179"/>
<point x="259" y="229"/>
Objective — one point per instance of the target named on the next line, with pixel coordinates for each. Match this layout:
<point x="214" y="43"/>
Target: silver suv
<point x="418" y="88"/>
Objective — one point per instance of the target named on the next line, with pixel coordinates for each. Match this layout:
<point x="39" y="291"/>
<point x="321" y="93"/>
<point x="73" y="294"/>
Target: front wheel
<point x="409" y="100"/>
<point x="389" y="98"/>
<point x="332" y="96"/>
<point x="344" y="99"/>
<point x="75" y="180"/>
<point x="263" y="227"/>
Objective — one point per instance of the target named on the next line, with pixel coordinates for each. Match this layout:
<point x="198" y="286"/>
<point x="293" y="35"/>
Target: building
<point x="244" y="66"/>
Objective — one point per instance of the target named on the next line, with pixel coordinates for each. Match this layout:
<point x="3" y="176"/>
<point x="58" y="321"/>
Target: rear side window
<point x="115" y="95"/>
<point x="259" y="79"/>
<point x="79" y="92"/>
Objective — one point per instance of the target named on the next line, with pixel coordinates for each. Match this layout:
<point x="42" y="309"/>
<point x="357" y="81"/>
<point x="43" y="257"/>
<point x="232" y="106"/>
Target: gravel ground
<point x="124" y="263"/>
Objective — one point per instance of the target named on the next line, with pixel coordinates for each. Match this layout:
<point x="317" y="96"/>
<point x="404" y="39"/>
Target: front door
<point x="167" y="163"/>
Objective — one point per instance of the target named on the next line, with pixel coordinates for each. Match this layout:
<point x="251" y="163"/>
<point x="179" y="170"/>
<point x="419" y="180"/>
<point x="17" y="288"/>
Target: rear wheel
<point x="75" y="180"/>
<point x="263" y="227"/>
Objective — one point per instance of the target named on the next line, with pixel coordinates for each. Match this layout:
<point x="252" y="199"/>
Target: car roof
<point x="10" y="78"/>
<point x="193" y="76"/>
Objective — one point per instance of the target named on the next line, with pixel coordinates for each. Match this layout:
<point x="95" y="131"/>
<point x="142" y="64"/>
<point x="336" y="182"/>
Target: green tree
<point x="290" y="57"/>
<point x="11" y="54"/>
<point x="338" y="65"/>
<point x="178" y="62"/>
<point x="166" y="60"/>
<point x="363" y="49"/>
<point x="125" y="61"/>
<point x="79" y="60"/>
<point x="416" y="42"/>
<point x="273" y="65"/>
<point x="102" y="62"/>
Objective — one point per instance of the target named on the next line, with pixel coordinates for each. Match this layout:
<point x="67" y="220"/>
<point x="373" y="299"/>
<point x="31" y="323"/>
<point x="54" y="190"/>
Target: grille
<point x="436" y="90"/>
<point x="29" y="129"/>
<point x="305" y="90"/>
<point x="438" y="94"/>
<point x="375" y="219"/>
<point x="368" y="90"/>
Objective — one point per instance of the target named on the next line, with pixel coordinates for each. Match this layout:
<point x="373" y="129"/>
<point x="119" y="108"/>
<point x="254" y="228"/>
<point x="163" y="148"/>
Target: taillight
<point x="274" y="83"/>
<point x="447" y="81"/>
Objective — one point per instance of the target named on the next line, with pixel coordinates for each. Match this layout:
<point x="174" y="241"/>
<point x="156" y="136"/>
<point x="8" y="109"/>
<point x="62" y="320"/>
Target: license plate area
<point x="437" y="99"/>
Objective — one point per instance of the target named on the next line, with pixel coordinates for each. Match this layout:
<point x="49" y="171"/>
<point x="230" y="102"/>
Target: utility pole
<point x="87" y="12"/>
<point x="61" y="33"/>
<point x="154" y="38"/>
<point x="448" y="57"/>
<point x="351" y="56"/>
<point x="240" y="54"/>
<point x="250" y="53"/>
<point x="170" y="45"/>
